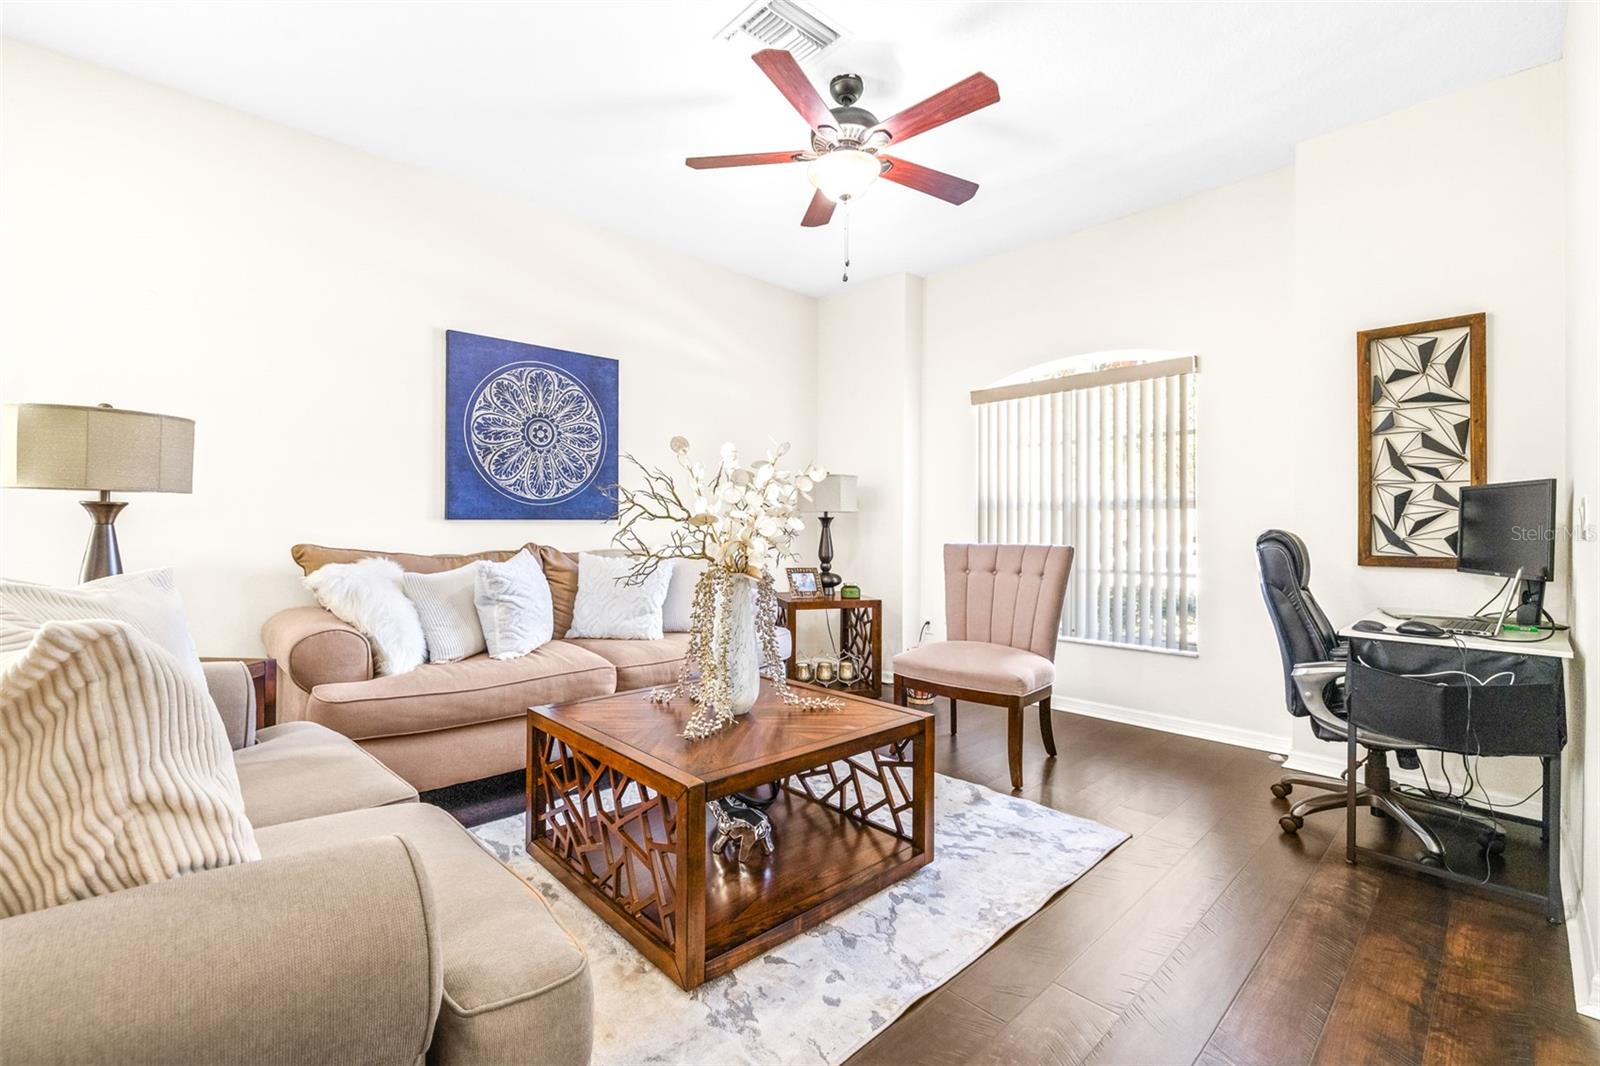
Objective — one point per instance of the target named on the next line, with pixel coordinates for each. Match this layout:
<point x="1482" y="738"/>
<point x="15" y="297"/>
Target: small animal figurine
<point x="741" y="827"/>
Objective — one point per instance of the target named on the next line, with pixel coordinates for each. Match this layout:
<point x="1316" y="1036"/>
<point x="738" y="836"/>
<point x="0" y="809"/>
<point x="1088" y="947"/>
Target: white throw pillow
<point x="679" y="604"/>
<point x="514" y="608"/>
<point x="147" y="600"/>
<point x="449" y="616"/>
<point x="118" y="770"/>
<point x="608" y="607"/>
<point x="368" y="594"/>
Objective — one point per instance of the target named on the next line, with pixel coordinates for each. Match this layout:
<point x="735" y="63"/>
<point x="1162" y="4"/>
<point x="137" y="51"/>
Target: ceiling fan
<point x="847" y="141"/>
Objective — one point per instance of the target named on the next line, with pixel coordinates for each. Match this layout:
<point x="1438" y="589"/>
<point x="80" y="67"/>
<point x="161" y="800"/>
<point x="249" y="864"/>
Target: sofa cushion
<point x="561" y="571"/>
<point x="115" y="770"/>
<point x="442" y="695"/>
<point x="610" y="605"/>
<point x="147" y="600"/>
<point x="444" y="603"/>
<point x="516" y="985"/>
<point x="302" y="770"/>
<point x="370" y="596"/>
<point x="977" y="665"/>
<point x="310" y="557"/>
<point x="641" y="663"/>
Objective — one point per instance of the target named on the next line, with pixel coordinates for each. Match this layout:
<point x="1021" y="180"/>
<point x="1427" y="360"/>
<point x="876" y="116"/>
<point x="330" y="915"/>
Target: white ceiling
<point x="589" y="108"/>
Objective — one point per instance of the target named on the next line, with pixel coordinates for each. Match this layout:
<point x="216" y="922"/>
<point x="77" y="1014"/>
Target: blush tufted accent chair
<point x="1002" y="608"/>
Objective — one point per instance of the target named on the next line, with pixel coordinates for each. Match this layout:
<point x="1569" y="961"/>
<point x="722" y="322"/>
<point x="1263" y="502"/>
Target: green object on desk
<point x="1511" y="627"/>
<point x="850" y="592"/>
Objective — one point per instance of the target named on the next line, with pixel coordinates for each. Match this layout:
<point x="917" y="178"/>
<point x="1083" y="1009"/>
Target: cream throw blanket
<point x="115" y="769"/>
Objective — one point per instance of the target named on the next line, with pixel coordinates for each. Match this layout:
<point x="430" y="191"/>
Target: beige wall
<point x="291" y="295"/>
<point x="1449" y="207"/>
<point x="1209" y="275"/>
<point x="1581" y="62"/>
<point x="869" y="360"/>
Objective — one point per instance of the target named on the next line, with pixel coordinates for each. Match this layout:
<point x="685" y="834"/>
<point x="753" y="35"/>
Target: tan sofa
<point x="373" y="930"/>
<point x="445" y="723"/>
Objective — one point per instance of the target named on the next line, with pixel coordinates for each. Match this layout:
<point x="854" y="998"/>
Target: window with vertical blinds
<point x="1099" y="453"/>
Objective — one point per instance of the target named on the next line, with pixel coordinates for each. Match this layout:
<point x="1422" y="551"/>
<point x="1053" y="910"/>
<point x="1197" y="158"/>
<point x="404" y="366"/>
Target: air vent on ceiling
<point x="782" y="24"/>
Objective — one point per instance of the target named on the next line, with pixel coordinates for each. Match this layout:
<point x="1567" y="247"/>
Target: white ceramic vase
<point x="743" y="661"/>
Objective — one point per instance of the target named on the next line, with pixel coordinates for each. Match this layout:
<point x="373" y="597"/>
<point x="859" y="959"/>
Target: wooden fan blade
<point x="820" y="212"/>
<point x="962" y="98"/>
<point x="792" y="82"/>
<point x="711" y="162"/>
<point x="946" y="187"/>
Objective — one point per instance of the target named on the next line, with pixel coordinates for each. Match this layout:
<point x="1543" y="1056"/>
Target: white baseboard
<point x="1582" y="946"/>
<point x="1167" y="723"/>
<point x="1332" y="765"/>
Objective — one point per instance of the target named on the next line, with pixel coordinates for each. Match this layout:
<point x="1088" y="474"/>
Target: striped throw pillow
<point x="115" y="769"/>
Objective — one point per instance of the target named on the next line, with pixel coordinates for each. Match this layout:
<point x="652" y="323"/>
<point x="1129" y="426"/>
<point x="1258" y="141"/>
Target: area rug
<point x="821" y="996"/>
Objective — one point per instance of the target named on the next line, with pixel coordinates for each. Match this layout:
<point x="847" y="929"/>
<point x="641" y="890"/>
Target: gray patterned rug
<point x="822" y="995"/>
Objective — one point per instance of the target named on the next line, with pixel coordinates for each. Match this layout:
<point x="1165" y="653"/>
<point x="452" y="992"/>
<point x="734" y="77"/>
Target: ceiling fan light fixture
<point x="844" y="173"/>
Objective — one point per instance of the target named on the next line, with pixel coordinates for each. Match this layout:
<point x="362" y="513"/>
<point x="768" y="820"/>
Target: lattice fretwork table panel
<point x="617" y="811"/>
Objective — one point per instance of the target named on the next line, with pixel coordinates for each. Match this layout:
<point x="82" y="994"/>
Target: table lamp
<point x="101" y="449"/>
<point x="835" y="494"/>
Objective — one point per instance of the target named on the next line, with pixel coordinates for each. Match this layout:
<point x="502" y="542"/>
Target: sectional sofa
<point x="374" y="929"/>
<point x="445" y="723"/>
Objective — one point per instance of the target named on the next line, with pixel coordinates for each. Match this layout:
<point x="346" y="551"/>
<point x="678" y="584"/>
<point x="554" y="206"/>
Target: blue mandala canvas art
<point x="530" y="432"/>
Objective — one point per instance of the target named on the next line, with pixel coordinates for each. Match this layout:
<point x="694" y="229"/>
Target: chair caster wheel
<point x="1280" y="790"/>
<point x="1428" y="858"/>
<point x="1291" y="823"/>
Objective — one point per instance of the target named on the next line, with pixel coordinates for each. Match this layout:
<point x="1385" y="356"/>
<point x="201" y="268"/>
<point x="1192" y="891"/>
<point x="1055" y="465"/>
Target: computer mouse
<point x="1368" y="625"/>
<point x="1413" y="627"/>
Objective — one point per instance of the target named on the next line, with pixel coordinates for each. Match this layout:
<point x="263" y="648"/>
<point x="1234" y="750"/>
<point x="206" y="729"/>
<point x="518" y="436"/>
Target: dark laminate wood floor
<point x="1210" y="937"/>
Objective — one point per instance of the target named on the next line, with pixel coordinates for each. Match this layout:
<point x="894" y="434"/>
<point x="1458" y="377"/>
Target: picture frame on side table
<point x="1422" y="435"/>
<point x="804" y="581"/>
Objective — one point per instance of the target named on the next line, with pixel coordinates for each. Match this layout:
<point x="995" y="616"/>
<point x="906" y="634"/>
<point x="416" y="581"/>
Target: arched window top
<point x="1088" y="363"/>
<point x="1088" y="371"/>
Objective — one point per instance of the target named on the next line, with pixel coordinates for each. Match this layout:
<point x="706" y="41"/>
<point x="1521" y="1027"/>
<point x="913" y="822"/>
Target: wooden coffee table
<point x="617" y="811"/>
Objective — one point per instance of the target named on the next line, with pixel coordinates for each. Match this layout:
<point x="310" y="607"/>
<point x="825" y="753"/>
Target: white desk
<point x="1557" y="645"/>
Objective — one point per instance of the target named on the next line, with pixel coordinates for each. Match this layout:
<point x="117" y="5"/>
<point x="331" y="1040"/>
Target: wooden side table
<point x="264" y="676"/>
<point x="860" y="635"/>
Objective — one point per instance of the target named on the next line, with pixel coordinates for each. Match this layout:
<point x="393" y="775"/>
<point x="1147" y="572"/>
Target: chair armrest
<point x="234" y="693"/>
<point x="1312" y="680"/>
<point x="325" y="956"/>
<point x="315" y="648"/>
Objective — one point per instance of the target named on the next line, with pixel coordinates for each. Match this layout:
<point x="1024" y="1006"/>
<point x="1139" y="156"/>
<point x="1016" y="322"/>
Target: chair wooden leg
<point x="1046" y="733"/>
<point x="952" y="716"/>
<point x="1014" y="744"/>
<point x="899" y="691"/>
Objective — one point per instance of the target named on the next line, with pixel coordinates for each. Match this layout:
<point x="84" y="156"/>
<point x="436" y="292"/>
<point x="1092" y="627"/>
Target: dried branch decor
<point x="742" y="519"/>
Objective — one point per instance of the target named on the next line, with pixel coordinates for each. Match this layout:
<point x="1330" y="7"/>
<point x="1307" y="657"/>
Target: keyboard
<point x="1469" y="627"/>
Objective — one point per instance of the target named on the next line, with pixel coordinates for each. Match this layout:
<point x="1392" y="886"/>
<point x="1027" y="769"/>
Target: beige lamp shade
<point x="835" y="494"/>
<point x="103" y="449"/>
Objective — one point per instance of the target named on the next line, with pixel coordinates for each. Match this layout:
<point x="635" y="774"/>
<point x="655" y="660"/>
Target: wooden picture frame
<point x="809" y="584"/>
<point x="1421" y="433"/>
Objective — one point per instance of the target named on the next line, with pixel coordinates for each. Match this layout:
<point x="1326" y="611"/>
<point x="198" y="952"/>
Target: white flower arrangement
<point x="742" y="519"/>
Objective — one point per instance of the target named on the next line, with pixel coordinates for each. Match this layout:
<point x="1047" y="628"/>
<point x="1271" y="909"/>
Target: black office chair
<point x="1313" y="671"/>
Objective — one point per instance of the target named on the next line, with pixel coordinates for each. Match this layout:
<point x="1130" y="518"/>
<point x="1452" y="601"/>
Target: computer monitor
<point x="1507" y="529"/>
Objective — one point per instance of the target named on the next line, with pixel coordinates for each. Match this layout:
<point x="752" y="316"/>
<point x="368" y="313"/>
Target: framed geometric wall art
<point x="1422" y="427"/>
<point x="530" y="432"/>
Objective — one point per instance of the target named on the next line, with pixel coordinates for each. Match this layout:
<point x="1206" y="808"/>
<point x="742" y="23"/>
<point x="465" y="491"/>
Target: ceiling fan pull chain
<point x="847" y="214"/>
